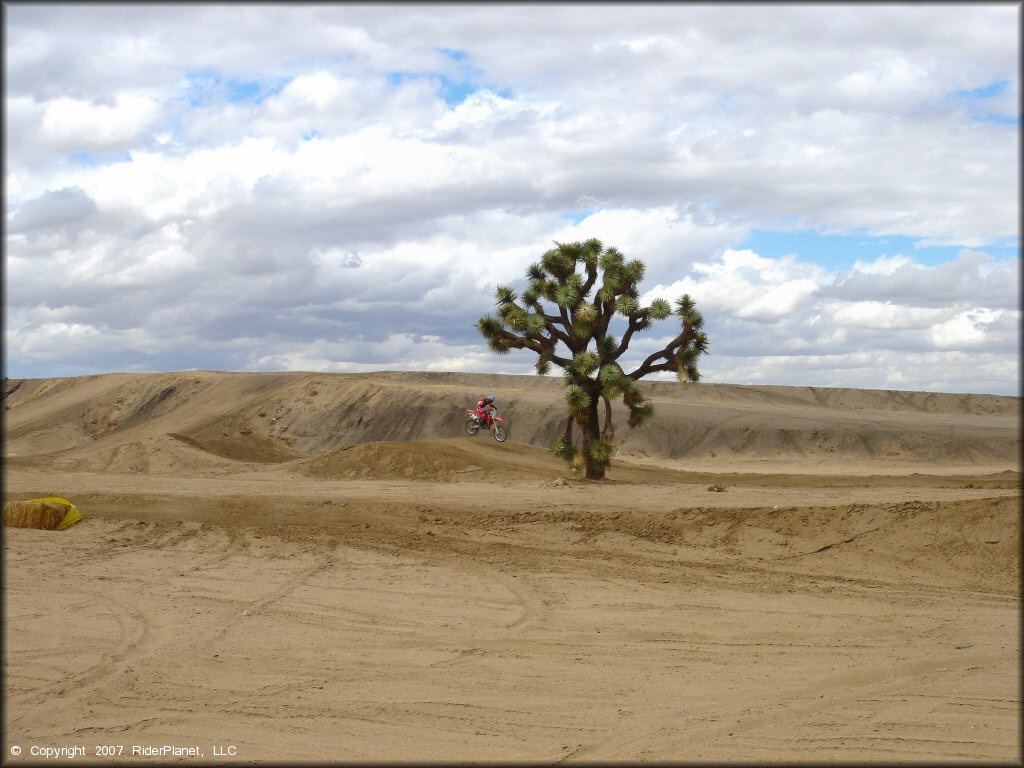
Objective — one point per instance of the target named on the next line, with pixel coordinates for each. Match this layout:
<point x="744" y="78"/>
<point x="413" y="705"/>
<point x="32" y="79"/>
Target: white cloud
<point x="747" y="285"/>
<point x="777" y="320"/>
<point x="879" y="315"/>
<point x="320" y="90"/>
<point x="968" y="329"/>
<point x="76" y="124"/>
<point x="398" y="352"/>
<point x="199" y="183"/>
<point x="888" y="83"/>
<point x="972" y="276"/>
<point x="484" y="106"/>
<point x="883" y="265"/>
<point x="941" y="371"/>
<point x="350" y="200"/>
<point x="671" y="240"/>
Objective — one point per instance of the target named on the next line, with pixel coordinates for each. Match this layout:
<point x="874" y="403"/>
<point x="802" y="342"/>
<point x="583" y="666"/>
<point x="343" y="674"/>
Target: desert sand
<point x="325" y="567"/>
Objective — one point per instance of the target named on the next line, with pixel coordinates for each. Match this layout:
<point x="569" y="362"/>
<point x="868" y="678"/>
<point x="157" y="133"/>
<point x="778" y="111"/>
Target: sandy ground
<point x="300" y="567"/>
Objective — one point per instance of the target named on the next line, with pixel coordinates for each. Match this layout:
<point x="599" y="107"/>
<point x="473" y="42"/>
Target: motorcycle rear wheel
<point x="472" y="426"/>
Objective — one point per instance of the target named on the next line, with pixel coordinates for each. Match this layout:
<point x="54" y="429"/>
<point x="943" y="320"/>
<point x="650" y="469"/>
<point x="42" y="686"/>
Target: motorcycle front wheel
<point x="472" y="426"/>
<point x="499" y="433"/>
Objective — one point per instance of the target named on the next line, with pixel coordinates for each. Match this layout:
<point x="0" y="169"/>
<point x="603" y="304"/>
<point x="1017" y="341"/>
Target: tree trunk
<point x="608" y="430"/>
<point x="591" y="434"/>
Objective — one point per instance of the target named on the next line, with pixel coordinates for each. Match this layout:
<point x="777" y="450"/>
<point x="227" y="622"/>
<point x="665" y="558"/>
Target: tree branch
<point x="634" y="326"/>
<point x="648" y="365"/>
<point x="606" y="311"/>
<point x="591" y="279"/>
<point x="662" y="367"/>
<point x="573" y="345"/>
<point x="515" y="341"/>
<point x="609" y="427"/>
<point x="549" y="323"/>
<point x="541" y="349"/>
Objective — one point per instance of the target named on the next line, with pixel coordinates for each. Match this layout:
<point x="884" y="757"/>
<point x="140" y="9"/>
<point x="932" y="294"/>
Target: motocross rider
<point x="487" y="407"/>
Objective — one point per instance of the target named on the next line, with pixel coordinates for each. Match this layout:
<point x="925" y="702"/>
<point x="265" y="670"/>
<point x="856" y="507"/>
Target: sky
<point x="340" y="187"/>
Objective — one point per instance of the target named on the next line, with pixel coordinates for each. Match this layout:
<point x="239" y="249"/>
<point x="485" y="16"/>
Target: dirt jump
<point x="285" y="567"/>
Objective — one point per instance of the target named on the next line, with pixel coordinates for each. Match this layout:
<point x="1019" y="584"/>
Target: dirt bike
<point x="475" y="421"/>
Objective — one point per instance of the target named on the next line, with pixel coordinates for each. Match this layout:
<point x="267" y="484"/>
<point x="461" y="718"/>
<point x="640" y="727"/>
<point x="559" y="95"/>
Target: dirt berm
<point x="162" y="422"/>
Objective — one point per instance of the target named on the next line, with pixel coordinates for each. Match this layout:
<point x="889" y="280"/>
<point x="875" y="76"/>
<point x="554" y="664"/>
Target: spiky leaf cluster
<point x="577" y="398"/>
<point x="601" y="453"/>
<point x="660" y="309"/>
<point x="583" y="364"/>
<point x="563" y="449"/>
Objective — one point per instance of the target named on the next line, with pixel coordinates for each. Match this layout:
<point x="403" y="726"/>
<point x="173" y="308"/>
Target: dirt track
<point x="394" y="592"/>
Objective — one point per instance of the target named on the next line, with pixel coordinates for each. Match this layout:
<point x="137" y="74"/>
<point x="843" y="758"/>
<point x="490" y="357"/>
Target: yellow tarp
<point x="73" y="515"/>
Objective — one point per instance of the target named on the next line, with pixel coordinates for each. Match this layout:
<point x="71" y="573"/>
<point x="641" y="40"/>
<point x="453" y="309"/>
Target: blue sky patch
<point x="994" y="117"/>
<point x="997" y="88"/>
<point x="455" y="87"/>
<point x="200" y="86"/>
<point x="835" y="252"/>
<point x="93" y="159"/>
<point x="576" y="215"/>
<point x="237" y="90"/>
<point x="453" y="54"/>
<point x="981" y="112"/>
<point x="454" y="91"/>
<point x="254" y="91"/>
<point x="206" y="86"/>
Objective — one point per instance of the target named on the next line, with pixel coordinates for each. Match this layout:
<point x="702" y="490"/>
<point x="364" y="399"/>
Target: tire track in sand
<point x="790" y="706"/>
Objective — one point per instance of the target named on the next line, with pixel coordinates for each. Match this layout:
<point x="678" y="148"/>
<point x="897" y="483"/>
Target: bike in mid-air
<point x="475" y="421"/>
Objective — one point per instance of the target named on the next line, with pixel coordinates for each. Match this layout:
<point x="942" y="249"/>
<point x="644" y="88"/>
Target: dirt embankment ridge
<point x="166" y="422"/>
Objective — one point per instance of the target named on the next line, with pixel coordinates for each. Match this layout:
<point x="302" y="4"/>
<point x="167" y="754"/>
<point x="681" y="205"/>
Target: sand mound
<point x="247" y="447"/>
<point x="417" y="460"/>
<point x="435" y="460"/>
<point x="157" y="455"/>
<point x="814" y="435"/>
<point x="280" y="417"/>
<point x="972" y="542"/>
<point x="55" y="415"/>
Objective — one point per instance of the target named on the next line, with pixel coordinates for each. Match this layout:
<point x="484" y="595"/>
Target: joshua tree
<point x="574" y="335"/>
